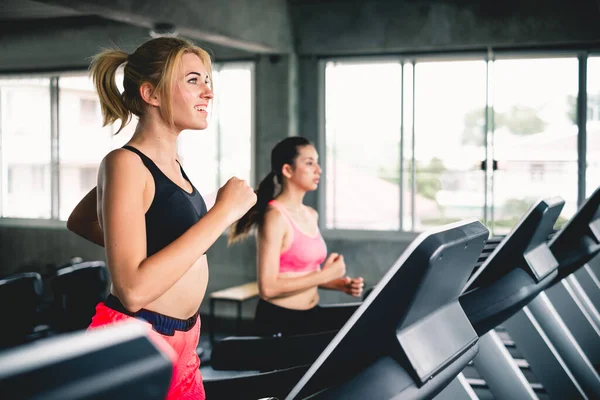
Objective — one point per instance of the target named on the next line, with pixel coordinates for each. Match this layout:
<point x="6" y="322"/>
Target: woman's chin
<point x="198" y="127"/>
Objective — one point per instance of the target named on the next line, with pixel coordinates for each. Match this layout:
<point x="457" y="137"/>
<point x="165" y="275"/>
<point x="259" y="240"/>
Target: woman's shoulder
<point x="274" y="218"/>
<point x="121" y="156"/>
<point x="273" y="212"/>
<point x="123" y="164"/>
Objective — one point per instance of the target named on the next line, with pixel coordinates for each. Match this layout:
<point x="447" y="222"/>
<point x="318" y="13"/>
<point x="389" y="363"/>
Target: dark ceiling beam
<point x="68" y="43"/>
<point x="352" y="27"/>
<point x="257" y="26"/>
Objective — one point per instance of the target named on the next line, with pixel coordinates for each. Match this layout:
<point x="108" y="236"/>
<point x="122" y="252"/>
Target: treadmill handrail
<point x="588" y="210"/>
<point x="579" y="239"/>
<point x="530" y="226"/>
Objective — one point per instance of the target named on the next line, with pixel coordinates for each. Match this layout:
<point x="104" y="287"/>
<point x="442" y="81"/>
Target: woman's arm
<point x="351" y="286"/>
<point x="138" y="279"/>
<point x="271" y="285"/>
<point x="83" y="220"/>
<point x="336" y="284"/>
<point x="346" y="284"/>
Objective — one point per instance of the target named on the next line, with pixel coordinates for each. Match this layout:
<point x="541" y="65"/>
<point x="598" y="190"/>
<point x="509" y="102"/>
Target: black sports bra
<point x="173" y="210"/>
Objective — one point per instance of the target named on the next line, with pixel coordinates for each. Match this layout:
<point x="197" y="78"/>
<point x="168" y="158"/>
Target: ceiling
<point x="11" y="10"/>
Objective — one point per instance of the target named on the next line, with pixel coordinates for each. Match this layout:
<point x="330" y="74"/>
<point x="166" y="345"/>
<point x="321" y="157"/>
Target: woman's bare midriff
<point x="183" y="299"/>
<point x="304" y="300"/>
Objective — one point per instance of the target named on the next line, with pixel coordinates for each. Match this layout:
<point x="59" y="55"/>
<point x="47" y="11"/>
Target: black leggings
<point x="274" y="320"/>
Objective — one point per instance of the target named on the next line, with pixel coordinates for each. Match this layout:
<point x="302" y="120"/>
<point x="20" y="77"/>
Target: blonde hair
<point x="155" y="62"/>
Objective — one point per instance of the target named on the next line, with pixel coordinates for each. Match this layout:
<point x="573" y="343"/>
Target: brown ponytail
<point x="264" y="194"/>
<point x="284" y="152"/>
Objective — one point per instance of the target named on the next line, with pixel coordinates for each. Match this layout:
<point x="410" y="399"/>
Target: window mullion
<point x="3" y="172"/>
<point x="219" y="133"/>
<point x="582" y="130"/>
<point x="54" y="150"/>
<point x="401" y="164"/>
<point x="413" y="173"/>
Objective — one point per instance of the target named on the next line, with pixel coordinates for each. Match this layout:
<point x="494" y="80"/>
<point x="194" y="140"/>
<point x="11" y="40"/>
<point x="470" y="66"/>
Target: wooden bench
<point x="236" y="294"/>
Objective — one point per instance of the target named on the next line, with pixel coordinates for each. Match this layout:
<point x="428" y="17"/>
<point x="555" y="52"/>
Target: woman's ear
<point x="148" y="94"/>
<point x="287" y="171"/>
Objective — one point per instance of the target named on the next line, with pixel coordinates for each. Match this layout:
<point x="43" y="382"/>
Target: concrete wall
<point x="24" y="249"/>
<point x="275" y="104"/>
<point x="309" y="109"/>
<point x="381" y="26"/>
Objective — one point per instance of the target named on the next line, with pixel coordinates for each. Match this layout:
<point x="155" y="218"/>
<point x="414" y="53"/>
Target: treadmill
<point x="572" y="291"/>
<point x="118" y="362"/>
<point x="408" y="340"/>
<point x="507" y="286"/>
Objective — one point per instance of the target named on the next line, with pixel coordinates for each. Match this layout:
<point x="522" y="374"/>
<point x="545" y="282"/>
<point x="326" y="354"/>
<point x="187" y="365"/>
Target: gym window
<point x="413" y="143"/>
<point x="593" y="125"/>
<point x="52" y="140"/>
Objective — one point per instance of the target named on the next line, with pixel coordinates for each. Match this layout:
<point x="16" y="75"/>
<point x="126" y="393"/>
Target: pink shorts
<point x="186" y="383"/>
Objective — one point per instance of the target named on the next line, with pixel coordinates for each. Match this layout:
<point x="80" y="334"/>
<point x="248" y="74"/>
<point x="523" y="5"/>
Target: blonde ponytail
<point x="103" y="70"/>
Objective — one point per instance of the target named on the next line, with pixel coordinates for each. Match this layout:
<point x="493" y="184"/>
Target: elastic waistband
<point x="161" y="323"/>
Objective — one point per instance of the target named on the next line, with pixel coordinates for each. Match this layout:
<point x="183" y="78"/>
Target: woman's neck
<point x="156" y="138"/>
<point x="292" y="197"/>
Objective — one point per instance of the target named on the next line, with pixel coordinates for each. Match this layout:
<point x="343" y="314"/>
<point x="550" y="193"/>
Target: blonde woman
<point x="151" y="219"/>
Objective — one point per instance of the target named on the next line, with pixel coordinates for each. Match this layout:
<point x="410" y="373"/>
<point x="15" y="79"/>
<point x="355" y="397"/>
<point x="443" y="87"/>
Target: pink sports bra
<point x="306" y="253"/>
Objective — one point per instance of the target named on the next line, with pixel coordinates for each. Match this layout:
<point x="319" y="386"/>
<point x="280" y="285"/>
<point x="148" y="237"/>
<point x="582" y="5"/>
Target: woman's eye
<point x="193" y="81"/>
